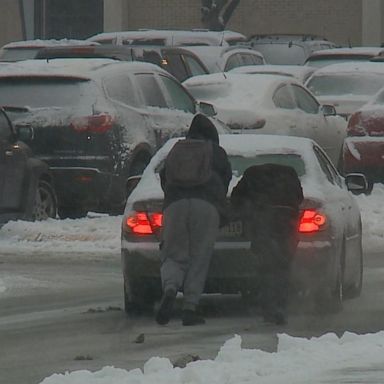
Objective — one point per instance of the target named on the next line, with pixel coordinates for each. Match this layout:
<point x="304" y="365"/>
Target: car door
<point x="12" y="167"/>
<point x="162" y="116"/>
<point x="316" y="125"/>
<point x="345" y="209"/>
<point x="284" y="119"/>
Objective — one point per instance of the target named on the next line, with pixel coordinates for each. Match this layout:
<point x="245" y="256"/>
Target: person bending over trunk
<point x="268" y="197"/>
<point x="195" y="181"/>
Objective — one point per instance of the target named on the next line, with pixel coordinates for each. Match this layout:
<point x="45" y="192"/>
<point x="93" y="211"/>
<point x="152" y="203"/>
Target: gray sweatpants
<point x="190" y="228"/>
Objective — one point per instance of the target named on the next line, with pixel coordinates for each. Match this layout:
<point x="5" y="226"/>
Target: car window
<point x="233" y="62"/>
<point x="248" y="59"/>
<point x="342" y="84"/>
<point x="327" y="166"/>
<point x="120" y="88"/>
<point x="176" y="66"/>
<point x="152" y="94"/>
<point x="282" y="53"/>
<point x="180" y="99"/>
<point x="55" y="91"/>
<point x="283" y="98"/>
<point x="305" y="101"/>
<point x="5" y="130"/>
<point x="194" y="66"/>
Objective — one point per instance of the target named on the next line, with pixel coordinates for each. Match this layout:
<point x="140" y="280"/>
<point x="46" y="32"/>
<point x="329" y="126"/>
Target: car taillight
<point x="355" y="125"/>
<point x="95" y="123"/>
<point x="311" y="221"/>
<point x="143" y="223"/>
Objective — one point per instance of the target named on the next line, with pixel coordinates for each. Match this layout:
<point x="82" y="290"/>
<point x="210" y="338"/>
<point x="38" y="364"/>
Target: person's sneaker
<point x="190" y="317"/>
<point x="166" y="306"/>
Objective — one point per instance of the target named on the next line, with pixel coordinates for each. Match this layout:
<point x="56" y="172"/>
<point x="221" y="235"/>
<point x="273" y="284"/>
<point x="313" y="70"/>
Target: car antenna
<point x="222" y="38"/>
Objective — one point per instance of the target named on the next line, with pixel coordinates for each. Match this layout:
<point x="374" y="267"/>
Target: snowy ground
<point x="328" y="359"/>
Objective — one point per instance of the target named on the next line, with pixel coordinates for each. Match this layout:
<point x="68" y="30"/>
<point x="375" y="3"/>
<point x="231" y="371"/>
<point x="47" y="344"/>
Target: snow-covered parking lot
<point x="326" y="359"/>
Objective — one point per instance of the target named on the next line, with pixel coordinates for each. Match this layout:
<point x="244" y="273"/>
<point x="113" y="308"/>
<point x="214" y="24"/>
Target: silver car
<point x="329" y="262"/>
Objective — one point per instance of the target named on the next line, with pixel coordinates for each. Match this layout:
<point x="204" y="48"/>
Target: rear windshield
<point x="282" y="53"/>
<point x="240" y="164"/>
<point x="361" y="84"/>
<point x="45" y="92"/>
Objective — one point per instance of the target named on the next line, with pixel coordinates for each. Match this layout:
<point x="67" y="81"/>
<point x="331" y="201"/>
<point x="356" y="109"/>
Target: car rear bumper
<point x="311" y="267"/>
<point x="87" y="187"/>
<point x="365" y="155"/>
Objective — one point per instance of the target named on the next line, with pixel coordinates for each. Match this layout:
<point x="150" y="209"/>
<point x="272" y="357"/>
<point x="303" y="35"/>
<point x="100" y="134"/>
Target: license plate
<point x="232" y="229"/>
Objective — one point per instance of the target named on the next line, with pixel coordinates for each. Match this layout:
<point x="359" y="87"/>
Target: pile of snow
<point x="297" y="360"/>
<point x="99" y="233"/>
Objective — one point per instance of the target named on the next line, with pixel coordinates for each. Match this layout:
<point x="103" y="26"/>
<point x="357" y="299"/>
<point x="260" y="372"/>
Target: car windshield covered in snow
<point x="339" y="84"/>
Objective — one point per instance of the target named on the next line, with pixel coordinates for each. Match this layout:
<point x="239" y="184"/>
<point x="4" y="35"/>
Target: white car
<point x="328" y="262"/>
<point x="347" y="86"/>
<point x="170" y="37"/>
<point x="299" y="72"/>
<point x="270" y="104"/>
<point x="222" y="58"/>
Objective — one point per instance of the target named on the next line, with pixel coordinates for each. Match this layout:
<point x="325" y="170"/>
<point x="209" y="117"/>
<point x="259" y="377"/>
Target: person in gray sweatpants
<point x="191" y="219"/>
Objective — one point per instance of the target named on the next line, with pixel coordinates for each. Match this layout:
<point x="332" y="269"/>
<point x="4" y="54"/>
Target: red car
<point x="363" y="150"/>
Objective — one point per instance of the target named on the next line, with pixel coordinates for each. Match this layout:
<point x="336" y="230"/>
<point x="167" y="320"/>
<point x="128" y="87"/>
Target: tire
<point x="330" y="300"/>
<point x="141" y="295"/>
<point x="45" y="203"/>
<point x="71" y="212"/>
<point x="355" y="289"/>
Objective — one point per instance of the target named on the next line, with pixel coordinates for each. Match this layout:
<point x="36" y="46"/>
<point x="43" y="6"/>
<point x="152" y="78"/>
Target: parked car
<point x="329" y="259"/>
<point x="347" y="86"/>
<point x="180" y="62"/>
<point x="299" y="72"/>
<point x="96" y="122"/>
<point x="28" y="49"/>
<point x="319" y="59"/>
<point x="364" y="145"/>
<point x="222" y="59"/>
<point x="270" y="104"/>
<point x="169" y="37"/>
<point x="26" y="183"/>
<point x="288" y="49"/>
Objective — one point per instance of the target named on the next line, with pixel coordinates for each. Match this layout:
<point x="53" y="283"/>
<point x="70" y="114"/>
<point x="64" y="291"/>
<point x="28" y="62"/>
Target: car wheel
<point x="71" y="212"/>
<point x="141" y="295"/>
<point x="45" y="202"/>
<point x="356" y="288"/>
<point x="330" y="300"/>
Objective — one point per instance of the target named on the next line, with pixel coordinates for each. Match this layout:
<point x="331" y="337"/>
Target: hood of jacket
<point x="202" y="128"/>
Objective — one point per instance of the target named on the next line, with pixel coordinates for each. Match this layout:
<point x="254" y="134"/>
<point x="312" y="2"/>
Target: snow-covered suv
<point x="96" y="122"/>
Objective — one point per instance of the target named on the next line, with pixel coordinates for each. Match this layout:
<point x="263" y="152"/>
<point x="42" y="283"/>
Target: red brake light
<point x="95" y="123"/>
<point x="355" y="125"/>
<point x="143" y="223"/>
<point x="311" y="221"/>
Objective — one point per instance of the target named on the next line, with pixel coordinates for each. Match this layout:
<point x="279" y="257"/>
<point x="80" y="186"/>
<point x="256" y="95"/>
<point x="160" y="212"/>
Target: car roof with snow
<point x="369" y="51"/>
<point x="76" y="68"/>
<point x="299" y="72"/>
<point x="352" y="67"/>
<point x="38" y="43"/>
<point x="245" y="89"/>
<point x="170" y="37"/>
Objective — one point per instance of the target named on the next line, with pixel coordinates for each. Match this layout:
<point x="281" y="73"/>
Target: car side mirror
<point x="328" y="110"/>
<point x="24" y="132"/>
<point x="207" y="109"/>
<point x="356" y="183"/>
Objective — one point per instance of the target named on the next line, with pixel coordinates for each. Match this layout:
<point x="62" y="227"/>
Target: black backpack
<point x="189" y="163"/>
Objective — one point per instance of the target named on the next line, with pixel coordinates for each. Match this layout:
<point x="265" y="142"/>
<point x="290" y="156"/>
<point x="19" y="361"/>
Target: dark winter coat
<point x="269" y="184"/>
<point x="215" y="190"/>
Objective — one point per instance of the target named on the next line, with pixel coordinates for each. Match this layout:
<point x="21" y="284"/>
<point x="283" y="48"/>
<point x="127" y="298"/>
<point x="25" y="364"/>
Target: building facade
<point x="346" y="22"/>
